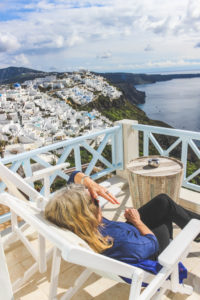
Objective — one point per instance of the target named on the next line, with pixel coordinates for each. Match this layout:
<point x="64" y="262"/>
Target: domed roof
<point x="16" y="84"/>
<point x="91" y="116"/>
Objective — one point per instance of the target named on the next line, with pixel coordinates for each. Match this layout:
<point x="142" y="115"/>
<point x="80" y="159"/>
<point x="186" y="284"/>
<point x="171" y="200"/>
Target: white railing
<point x="184" y="138"/>
<point x="124" y="146"/>
<point x="94" y="144"/>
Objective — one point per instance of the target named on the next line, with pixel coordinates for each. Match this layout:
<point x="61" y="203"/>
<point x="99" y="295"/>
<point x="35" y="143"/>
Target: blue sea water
<point x="176" y="102"/>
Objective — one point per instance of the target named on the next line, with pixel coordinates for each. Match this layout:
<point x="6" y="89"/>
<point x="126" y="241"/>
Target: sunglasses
<point x="96" y="202"/>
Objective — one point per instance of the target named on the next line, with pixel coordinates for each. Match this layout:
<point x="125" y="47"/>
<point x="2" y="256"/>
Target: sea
<point x="176" y="102"/>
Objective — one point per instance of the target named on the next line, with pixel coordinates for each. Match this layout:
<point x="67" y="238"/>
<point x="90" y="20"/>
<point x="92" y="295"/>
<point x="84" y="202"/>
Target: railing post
<point x="184" y="154"/>
<point x="130" y="143"/>
<point x="146" y="143"/>
<point x="117" y="149"/>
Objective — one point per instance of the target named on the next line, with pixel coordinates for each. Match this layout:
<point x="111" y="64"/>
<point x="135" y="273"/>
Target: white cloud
<point x="167" y="64"/>
<point x="45" y="5"/>
<point x="148" y="48"/>
<point x="20" y="60"/>
<point x="74" y="39"/>
<point x="193" y="11"/>
<point x="105" y="55"/>
<point x="197" y="45"/>
<point x="59" y="41"/>
<point x="71" y="33"/>
<point x="8" y="42"/>
<point x="162" y="27"/>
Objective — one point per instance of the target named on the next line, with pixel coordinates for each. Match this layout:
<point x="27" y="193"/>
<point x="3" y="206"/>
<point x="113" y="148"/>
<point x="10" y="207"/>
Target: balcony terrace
<point x="122" y="144"/>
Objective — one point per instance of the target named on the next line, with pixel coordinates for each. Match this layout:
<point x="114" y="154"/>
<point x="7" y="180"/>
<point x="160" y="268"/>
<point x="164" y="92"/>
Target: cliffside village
<point x="38" y="112"/>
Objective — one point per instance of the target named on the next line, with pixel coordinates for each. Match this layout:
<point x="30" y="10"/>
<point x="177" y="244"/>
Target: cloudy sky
<point x="100" y="35"/>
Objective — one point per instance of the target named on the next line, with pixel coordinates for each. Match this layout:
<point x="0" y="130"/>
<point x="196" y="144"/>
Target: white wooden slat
<point x="174" y="145"/>
<point x="156" y="144"/>
<point x="5" y="284"/>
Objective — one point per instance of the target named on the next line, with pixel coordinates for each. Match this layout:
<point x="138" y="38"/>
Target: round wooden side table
<point x="146" y="182"/>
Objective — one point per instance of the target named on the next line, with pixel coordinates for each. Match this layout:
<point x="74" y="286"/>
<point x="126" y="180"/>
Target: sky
<point x="101" y="35"/>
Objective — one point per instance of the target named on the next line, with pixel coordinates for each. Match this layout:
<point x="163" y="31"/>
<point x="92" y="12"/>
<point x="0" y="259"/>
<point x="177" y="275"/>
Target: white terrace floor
<point x="97" y="288"/>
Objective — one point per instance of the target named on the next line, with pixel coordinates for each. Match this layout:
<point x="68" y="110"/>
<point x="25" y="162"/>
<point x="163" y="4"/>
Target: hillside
<point x="14" y="74"/>
<point x="121" y="108"/>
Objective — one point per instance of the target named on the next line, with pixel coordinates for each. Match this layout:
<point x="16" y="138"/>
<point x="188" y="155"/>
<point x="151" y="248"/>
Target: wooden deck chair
<point x="74" y="250"/>
<point x="16" y="184"/>
<point x="5" y="284"/>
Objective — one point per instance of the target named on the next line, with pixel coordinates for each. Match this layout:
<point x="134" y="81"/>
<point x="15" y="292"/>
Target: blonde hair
<point x="72" y="208"/>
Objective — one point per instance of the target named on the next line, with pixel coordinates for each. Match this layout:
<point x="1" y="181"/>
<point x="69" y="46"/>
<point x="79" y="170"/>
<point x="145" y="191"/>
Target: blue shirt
<point x="129" y="245"/>
<point x="71" y="177"/>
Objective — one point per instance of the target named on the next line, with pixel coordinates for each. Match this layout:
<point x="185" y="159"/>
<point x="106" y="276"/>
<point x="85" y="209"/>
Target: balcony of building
<point x="103" y="155"/>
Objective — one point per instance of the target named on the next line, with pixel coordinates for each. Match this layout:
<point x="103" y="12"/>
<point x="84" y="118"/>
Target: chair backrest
<point x="5" y="284"/>
<point x="74" y="246"/>
<point x="16" y="183"/>
<point x="73" y="249"/>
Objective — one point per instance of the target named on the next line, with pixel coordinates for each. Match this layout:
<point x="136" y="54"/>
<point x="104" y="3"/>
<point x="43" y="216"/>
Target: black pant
<point x="159" y="214"/>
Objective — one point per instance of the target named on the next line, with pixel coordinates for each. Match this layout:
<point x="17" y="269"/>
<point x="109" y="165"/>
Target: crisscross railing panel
<point x="97" y="153"/>
<point x="23" y="162"/>
<point x="184" y="138"/>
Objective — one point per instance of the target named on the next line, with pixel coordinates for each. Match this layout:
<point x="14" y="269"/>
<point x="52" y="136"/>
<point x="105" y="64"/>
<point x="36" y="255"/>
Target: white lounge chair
<point x="15" y="184"/>
<point x="5" y="285"/>
<point x="72" y="249"/>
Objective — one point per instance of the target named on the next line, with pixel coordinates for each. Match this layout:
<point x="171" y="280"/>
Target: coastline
<point x="125" y="80"/>
<point x="175" y="102"/>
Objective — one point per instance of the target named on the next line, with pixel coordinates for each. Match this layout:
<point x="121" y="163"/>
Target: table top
<point x="167" y="166"/>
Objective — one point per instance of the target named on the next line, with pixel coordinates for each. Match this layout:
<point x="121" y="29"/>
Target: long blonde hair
<point x="73" y="208"/>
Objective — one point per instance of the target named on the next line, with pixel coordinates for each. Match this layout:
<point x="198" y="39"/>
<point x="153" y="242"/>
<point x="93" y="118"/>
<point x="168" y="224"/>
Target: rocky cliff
<point x="127" y="81"/>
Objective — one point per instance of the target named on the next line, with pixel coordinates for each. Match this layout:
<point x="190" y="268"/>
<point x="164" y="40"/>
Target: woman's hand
<point x="97" y="190"/>
<point x="132" y="216"/>
<point x="94" y="188"/>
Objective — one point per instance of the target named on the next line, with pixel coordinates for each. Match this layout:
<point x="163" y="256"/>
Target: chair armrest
<point x="177" y="248"/>
<point x="98" y="262"/>
<point x="46" y="171"/>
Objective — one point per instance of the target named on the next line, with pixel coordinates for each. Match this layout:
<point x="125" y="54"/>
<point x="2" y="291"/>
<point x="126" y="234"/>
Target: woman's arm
<point x="132" y="215"/>
<point x="94" y="188"/>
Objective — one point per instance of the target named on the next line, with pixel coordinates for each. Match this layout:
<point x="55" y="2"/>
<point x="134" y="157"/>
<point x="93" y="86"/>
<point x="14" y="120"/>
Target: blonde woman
<point x="137" y="242"/>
